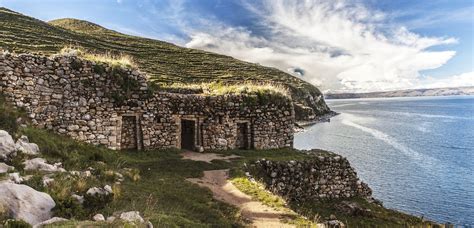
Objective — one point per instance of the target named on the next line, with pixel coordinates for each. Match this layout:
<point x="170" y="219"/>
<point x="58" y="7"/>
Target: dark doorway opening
<point x="129" y="139"/>
<point x="187" y="134"/>
<point x="242" y="136"/>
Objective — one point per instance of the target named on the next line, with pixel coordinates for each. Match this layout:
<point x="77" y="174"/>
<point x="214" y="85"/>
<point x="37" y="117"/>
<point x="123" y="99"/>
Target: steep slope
<point x="164" y="62"/>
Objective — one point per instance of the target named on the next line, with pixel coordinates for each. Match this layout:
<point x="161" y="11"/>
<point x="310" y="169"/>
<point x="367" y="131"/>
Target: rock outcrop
<point x="41" y="165"/>
<point x="7" y="145"/>
<point x="4" y="168"/>
<point x="25" y="203"/>
<point x="23" y="145"/>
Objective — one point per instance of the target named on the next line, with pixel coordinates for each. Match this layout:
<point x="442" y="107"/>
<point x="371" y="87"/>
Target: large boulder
<point x="25" y="203"/>
<point x="23" y="145"/>
<point x="7" y="145"/>
<point x="41" y="165"/>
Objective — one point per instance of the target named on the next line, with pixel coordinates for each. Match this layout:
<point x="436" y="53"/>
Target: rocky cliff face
<point x="322" y="177"/>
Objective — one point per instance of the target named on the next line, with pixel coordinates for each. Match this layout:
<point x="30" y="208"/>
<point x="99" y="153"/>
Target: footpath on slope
<point x="222" y="189"/>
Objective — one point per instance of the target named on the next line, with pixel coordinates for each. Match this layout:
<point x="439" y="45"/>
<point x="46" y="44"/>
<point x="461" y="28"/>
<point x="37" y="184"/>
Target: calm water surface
<point x="417" y="154"/>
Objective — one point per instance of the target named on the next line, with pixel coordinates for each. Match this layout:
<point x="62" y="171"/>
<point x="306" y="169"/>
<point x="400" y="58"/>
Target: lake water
<point x="417" y="154"/>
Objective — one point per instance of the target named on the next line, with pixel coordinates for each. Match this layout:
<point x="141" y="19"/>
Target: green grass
<point x="164" y="62"/>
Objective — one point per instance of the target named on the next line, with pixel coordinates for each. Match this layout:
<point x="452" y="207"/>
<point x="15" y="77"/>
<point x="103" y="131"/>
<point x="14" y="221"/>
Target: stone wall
<point x="98" y="104"/>
<point x="320" y="177"/>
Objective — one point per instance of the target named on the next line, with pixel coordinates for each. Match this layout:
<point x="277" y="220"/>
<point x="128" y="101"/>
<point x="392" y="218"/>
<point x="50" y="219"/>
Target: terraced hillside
<point x="164" y="62"/>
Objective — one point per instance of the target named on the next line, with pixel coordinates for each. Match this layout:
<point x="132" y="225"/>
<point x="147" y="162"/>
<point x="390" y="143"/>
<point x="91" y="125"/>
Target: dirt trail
<point x="206" y="157"/>
<point x="260" y="215"/>
<point x="217" y="181"/>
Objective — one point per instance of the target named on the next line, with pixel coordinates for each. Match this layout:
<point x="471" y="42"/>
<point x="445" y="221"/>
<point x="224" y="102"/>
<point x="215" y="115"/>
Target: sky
<point x="337" y="45"/>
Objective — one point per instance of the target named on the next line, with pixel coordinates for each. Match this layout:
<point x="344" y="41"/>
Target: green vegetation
<point x="256" y="191"/>
<point x="165" y="63"/>
<point x="9" y="116"/>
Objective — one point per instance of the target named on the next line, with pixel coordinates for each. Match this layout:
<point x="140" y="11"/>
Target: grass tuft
<point x="121" y="59"/>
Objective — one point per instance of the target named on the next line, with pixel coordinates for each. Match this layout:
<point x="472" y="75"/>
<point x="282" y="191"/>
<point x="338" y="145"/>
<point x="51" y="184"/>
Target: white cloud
<point x="461" y="80"/>
<point x="340" y="46"/>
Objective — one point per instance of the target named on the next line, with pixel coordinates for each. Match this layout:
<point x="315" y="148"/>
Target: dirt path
<point x="206" y="157"/>
<point x="260" y="215"/>
<point x="217" y="181"/>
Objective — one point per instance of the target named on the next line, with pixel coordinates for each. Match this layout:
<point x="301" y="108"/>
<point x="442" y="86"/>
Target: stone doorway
<point x="242" y="141"/>
<point x="129" y="135"/>
<point x="188" y="130"/>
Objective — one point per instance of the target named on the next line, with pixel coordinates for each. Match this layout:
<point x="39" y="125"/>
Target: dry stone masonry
<point x="114" y="106"/>
<point x="321" y="177"/>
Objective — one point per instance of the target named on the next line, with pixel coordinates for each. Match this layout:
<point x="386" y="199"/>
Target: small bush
<point x="36" y="182"/>
<point x="9" y="116"/>
<point x="69" y="208"/>
<point x="96" y="202"/>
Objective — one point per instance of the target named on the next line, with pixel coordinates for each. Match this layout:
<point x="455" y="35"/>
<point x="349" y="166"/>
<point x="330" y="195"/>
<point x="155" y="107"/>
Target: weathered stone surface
<point x="23" y="145"/>
<point x="41" y="165"/>
<point x="7" y="145"/>
<point x="98" y="217"/>
<point x="5" y="168"/>
<point x="15" y="177"/>
<point x="132" y="216"/>
<point x="106" y="190"/>
<point x="25" y="203"/>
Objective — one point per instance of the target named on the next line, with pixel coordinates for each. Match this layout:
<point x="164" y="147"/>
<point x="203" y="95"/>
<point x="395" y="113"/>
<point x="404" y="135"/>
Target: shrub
<point x="69" y="208"/>
<point x="9" y="116"/>
<point x="96" y="202"/>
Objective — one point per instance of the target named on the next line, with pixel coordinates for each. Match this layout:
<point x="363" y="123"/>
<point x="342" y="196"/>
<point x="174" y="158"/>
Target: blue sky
<point x="339" y="45"/>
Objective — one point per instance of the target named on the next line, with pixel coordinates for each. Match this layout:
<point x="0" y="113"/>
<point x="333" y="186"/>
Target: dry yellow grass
<point x="109" y="58"/>
<point x="247" y="87"/>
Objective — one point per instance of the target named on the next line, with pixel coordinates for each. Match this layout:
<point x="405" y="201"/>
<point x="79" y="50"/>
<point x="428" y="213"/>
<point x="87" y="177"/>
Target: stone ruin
<point x="113" y="106"/>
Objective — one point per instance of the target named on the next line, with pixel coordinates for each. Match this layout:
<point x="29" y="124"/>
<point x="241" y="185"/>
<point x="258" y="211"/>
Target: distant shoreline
<point x="454" y="91"/>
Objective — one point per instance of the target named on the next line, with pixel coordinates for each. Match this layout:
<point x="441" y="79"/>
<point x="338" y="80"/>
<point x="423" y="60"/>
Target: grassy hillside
<point x="164" y="62"/>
